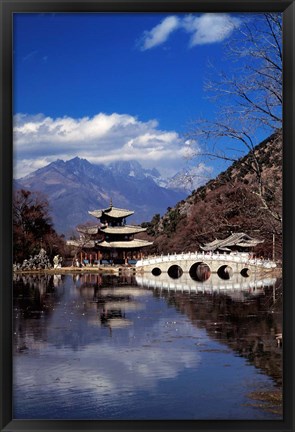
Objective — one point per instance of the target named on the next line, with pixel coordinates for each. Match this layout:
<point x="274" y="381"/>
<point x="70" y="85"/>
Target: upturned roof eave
<point x="131" y="244"/>
<point x="113" y="212"/>
<point x="88" y="229"/>
<point x="237" y="239"/>
<point x="78" y="243"/>
<point x="127" y="229"/>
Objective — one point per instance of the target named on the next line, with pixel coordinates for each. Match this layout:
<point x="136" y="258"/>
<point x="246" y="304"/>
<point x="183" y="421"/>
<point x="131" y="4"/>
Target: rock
<point x="38" y="262"/>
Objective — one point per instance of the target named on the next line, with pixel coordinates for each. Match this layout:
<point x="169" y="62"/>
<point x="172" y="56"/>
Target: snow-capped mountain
<point x="76" y="186"/>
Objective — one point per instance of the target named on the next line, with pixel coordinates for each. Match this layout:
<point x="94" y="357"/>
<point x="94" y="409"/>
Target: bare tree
<point x="247" y="101"/>
<point x="86" y="240"/>
<point x="253" y="94"/>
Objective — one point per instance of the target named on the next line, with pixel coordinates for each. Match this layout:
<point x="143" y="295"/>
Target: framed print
<point x="147" y="215"/>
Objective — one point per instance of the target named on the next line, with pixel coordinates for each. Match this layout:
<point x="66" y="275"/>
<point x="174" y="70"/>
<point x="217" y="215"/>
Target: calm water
<point x="123" y="348"/>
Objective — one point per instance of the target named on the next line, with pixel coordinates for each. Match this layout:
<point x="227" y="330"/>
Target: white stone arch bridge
<point x="200" y="266"/>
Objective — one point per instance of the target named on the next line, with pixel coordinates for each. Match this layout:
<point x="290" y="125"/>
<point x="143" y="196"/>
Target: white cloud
<point x="30" y="55"/>
<point x="160" y="33"/>
<point x="205" y="29"/>
<point x="39" y="140"/>
<point x="210" y="28"/>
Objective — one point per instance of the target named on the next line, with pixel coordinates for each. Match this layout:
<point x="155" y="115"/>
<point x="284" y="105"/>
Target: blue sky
<point x="111" y="86"/>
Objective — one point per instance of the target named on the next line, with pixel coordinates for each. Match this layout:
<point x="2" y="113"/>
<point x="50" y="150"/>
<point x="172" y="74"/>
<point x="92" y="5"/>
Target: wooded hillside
<point x="247" y="197"/>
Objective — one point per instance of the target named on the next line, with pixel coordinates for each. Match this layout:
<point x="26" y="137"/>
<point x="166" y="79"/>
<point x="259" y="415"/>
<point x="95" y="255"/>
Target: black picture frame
<point x="7" y="9"/>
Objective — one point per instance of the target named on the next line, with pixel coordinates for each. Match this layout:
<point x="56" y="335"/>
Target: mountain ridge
<point x="75" y="186"/>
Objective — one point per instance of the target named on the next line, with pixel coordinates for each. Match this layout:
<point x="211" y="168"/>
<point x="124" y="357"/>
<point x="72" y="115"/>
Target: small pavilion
<point x="112" y="239"/>
<point x="236" y="242"/>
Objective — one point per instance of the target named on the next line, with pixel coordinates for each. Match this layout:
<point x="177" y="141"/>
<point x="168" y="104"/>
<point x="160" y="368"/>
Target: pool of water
<point x="93" y="347"/>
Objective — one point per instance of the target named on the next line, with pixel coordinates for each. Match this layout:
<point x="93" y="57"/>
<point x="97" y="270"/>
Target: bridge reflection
<point x="237" y="287"/>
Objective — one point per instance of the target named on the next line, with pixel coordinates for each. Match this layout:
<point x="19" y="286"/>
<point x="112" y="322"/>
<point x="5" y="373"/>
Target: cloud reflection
<point x="106" y="359"/>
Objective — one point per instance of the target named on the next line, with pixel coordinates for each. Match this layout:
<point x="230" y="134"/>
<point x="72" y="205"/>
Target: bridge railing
<point x="199" y="256"/>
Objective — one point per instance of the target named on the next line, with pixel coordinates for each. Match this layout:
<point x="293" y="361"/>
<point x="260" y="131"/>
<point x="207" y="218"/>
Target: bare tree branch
<point x="248" y="100"/>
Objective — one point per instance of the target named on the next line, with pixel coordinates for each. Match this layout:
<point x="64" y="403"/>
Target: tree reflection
<point x="248" y="327"/>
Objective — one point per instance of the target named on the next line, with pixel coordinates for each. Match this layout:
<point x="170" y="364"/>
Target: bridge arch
<point x="225" y="272"/>
<point x="200" y="271"/>
<point x="175" y="271"/>
<point x="156" y="271"/>
<point x="245" y="272"/>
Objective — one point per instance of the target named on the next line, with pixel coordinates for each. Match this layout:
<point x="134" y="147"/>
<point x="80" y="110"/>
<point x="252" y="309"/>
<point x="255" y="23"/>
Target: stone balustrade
<point x="236" y="263"/>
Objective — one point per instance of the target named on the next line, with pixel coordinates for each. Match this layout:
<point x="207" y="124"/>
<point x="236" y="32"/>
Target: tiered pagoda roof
<point x="113" y="231"/>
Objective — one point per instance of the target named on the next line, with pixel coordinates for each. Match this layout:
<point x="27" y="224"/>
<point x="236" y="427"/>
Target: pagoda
<point x="111" y="240"/>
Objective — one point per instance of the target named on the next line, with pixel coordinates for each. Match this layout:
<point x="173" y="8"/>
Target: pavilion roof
<point x="111" y="211"/>
<point x="131" y="244"/>
<point x="235" y="239"/>
<point x="128" y="244"/>
<point x="91" y="229"/>
<point x="80" y="243"/>
<point x="126" y="229"/>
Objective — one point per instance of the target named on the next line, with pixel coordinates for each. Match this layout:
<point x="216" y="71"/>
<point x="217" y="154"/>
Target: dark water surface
<point x="87" y="347"/>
